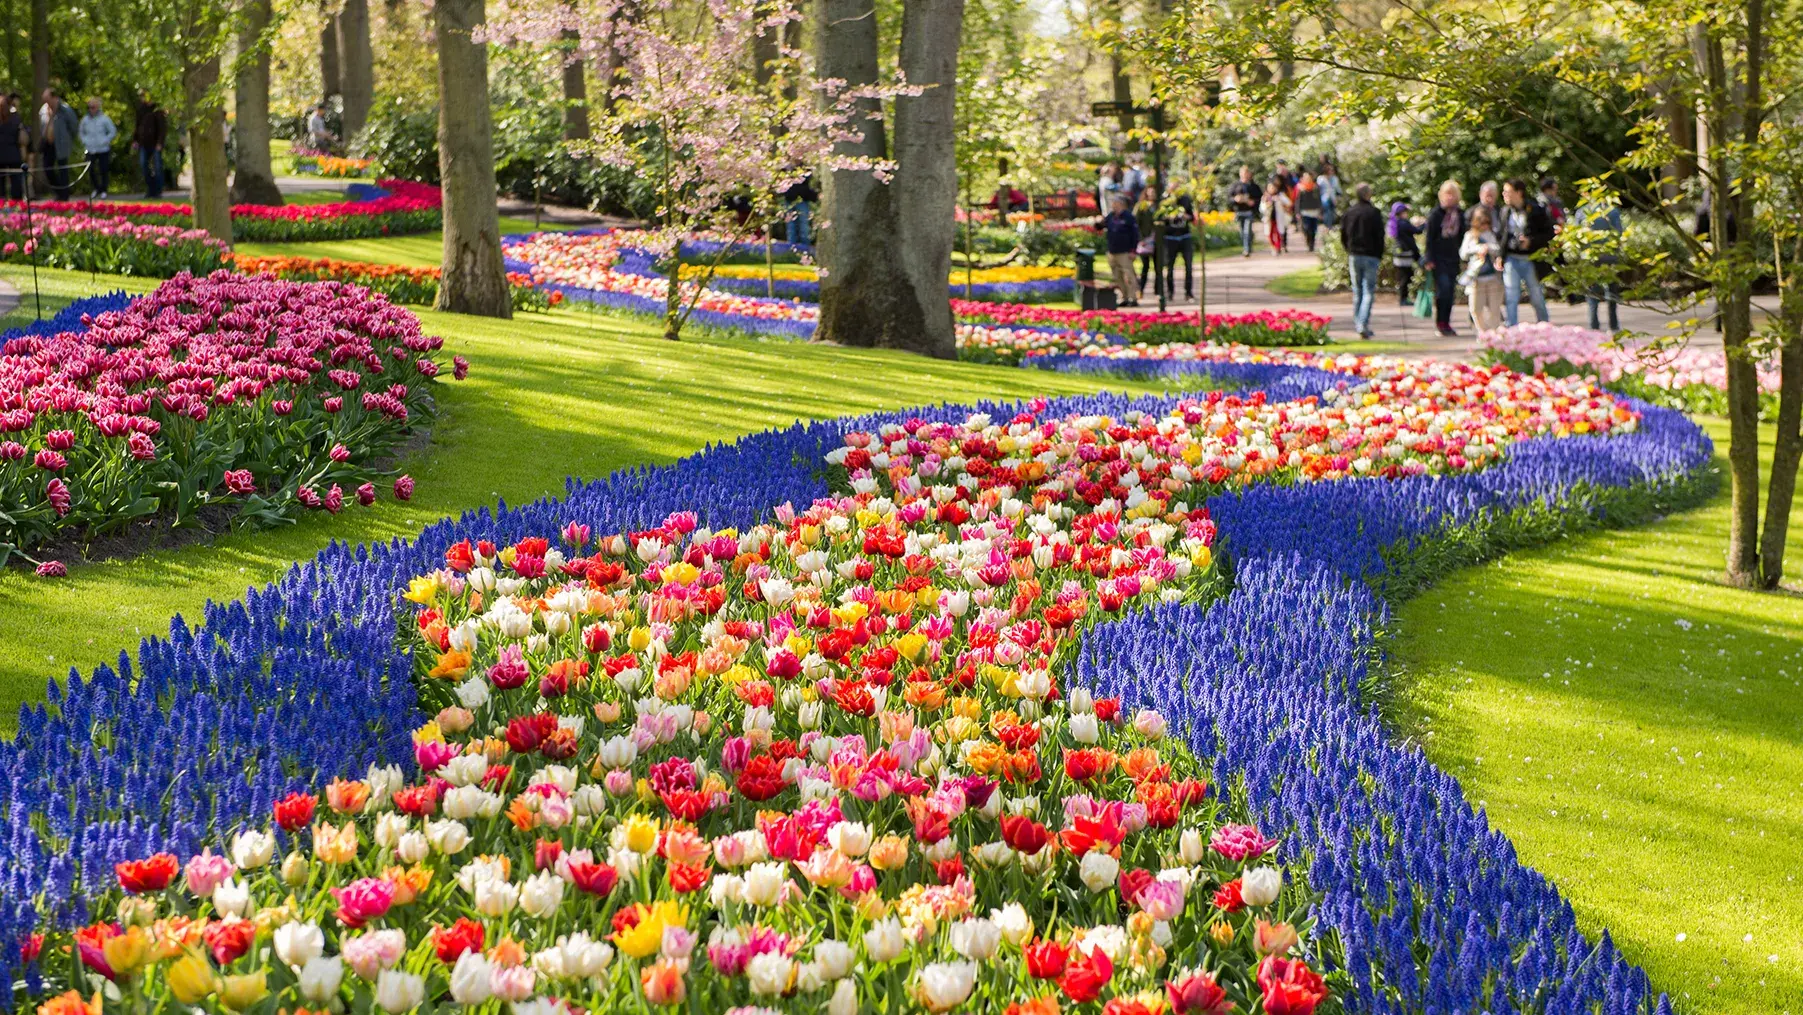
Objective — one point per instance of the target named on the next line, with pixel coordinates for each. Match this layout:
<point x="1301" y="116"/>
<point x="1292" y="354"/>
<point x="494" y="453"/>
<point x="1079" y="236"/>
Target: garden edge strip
<point x="236" y="680"/>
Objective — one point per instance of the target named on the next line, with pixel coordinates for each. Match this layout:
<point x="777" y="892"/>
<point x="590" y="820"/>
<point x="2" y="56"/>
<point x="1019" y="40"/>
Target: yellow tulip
<point x="639" y="639"/>
<point x="641" y="833"/>
<point x="242" y="991"/>
<point x="647" y="935"/>
<point x="335" y="844"/>
<point x="191" y="978"/>
<point x="422" y="590"/>
<point x="127" y="952"/>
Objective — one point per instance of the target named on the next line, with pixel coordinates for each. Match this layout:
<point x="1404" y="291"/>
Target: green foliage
<point x="401" y="135"/>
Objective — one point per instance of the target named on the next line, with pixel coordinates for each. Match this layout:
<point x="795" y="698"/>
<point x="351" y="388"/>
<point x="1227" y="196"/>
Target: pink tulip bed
<point x="113" y="244"/>
<point x="403" y="207"/>
<point x="258" y="396"/>
<point x="1688" y="378"/>
<point x="947" y="710"/>
<point x="604" y="268"/>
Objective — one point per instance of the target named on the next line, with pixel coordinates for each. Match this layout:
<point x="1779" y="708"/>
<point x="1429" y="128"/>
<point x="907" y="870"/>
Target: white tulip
<point x="1084" y="728"/>
<point x="465" y="769"/>
<point x="297" y="944"/>
<point x="1098" y="871"/>
<point x="945" y="985"/>
<point x="769" y="973"/>
<point x="230" y="898"/>
<point x="252" y="849"/>
<point x="764" y="883"/>
<point x="1013" y="923"/>
<point x="448" y="837"/>
<point x="389" y="829"/>
<point x="320" y="977"/>
<point x="844" y="1000"/>
<point x="398" y="992"/>
<point x="469" y="979"/>
<point x="1192" y="847"/>
<point x="884" y="940"/>
<point x="542" y="894"/>
<point x="473" y="693"/>
<point x="495" y="897"/>
<point x="849" y="837"/>
<point x="413" y="847"/>
<point x="1260" y="885"/>
<point x="975" y="938"/>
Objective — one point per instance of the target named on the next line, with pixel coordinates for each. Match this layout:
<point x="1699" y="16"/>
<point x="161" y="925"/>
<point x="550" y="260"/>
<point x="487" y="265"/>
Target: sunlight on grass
<point x="1636" y="728"/>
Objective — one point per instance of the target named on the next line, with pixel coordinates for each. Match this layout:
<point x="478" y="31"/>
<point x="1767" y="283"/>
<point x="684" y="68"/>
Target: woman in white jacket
<point x="1483" y="279"/>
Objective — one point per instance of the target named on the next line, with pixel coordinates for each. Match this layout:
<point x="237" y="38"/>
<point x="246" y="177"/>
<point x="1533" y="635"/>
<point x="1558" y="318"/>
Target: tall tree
<point x="204" y="112"/>
<point x="856" y="235"/>
<point x="331" y="75"/>
<point x="575" y="87"/>
<point x="926" y="177"/>
<point x="356" y="60"/>
<point x="474" y="279"/>
<point x="253" y="182"/>
<point x="40" y="61"/>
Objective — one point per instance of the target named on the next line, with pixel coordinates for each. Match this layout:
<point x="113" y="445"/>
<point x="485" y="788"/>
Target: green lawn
<point x="419" y="250"/>
<point x="1636" y="728"/>
<point x="568" y="393"/>
<point x="51" y="291"/>
<point x="1297" y="284"/>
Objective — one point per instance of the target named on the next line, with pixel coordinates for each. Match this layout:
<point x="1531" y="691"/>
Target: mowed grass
<point x="570" y="393"/>
<point x="50" y="291"/>
<point x="1636" y="729"/>
<point x="420" y="250"/>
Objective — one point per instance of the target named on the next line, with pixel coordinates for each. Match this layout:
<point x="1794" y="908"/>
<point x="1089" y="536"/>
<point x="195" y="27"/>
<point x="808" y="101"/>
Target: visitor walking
<point x="1404" y="251"/>
<point x="1328" y="179"/>
<point x="1604" y="224"/>
<point x="1277" y="216"/>
<point x="798" y="201"/>
<point x="1308" y="208"/>
<point x="1549" y="197"/>
<point x="97" y="134"/>
<point x="147" y="135"/>
<point x="1108" y="185"/>
<point x="57" y="129"/>
<point x="1145" y="217"/>
<point x="1362" y="234"/>
<point x="1180" y="240"/>
<point x="1133" y="179"/>
<point x="1489" y="198"/>
<point x="14" y="143"/>
<point x="320" y="136"/>
<point x="1121" y="231"/>
<point x="1482" y="277"/>
<point x="1443" y="234"/>
<point x="1243" y="198"/>
<point x="1525" y="232"/>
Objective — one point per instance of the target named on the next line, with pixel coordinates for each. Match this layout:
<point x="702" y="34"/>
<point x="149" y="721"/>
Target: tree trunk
<point x="357" y="67"/>
<point x="575" y="89"/>
<point x="1123" y="92"/>
<point x="331" y="80"/>
<point x="40" y="66"/>
<point x="206" y="150"/>
<point x="253" y="182"/>
<point x="794" y="40"/>
<point x="474" y="281"/>
<point x="926" y="183"/>
<point x="856" y="236"/>
<point x="1781" y="489"/>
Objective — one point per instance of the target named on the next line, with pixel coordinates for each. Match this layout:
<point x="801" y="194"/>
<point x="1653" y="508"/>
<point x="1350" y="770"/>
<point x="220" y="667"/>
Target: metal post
<point x="1157" y="219"/>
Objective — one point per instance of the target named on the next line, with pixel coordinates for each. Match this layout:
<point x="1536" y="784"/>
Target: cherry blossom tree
<point x="719" y="132"/>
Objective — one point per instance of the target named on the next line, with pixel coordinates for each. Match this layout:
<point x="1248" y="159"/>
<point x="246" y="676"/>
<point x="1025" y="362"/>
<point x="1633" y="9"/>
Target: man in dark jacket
<point x="58" y="127"/>
<point x="1444" y="231"/>
<point x="1526" y="230"/>
<point x="1243" y="198"/>
<point x="14" y="142"/>
<point x="1362" y="234"/>
<point x="147" y="139"/>
<point x="1122" y="231"/>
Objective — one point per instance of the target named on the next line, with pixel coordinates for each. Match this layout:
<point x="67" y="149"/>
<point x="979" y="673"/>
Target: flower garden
<point x="795" y="722"/>
<point x="402" y="207"/>
<point x="1684" y="377"/>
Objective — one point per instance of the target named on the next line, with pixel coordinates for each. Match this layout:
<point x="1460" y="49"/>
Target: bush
<point x="402" y="138"/>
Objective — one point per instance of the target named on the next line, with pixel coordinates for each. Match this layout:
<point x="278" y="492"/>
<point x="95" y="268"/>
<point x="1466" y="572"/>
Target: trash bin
<point x="1086" y="265"/>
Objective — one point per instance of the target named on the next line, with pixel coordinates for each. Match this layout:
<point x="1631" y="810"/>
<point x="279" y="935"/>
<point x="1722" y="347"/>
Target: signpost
<point x="1156" y="113"/>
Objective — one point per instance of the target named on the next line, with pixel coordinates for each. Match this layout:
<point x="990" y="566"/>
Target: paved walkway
<point x="1239" y="285"/>
<point x="9" y="297"/>
<point x="550" y="215"/>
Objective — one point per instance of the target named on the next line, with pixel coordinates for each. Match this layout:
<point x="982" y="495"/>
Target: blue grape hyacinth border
<point x="304" y="680"/>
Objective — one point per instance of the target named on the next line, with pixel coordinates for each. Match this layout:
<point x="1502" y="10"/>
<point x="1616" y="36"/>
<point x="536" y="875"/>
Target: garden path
<point x="1239" y="285"/>
<point x="9" y="297"/>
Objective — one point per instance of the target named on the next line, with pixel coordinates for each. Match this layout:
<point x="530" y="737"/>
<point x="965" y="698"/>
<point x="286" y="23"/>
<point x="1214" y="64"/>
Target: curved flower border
<point x="305" y="676"/>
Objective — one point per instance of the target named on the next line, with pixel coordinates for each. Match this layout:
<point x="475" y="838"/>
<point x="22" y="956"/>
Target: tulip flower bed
<point x="1262" y="328"/>
<point x="604" y="269"/>
<point x="330" y="165"/>
<point x="873" y="714"/>
<point x="262" y="396"/>
<point x="1694" y="380"/>
<point x="1017" y="284"/>
<point x="115" y="245"/>
<point x="407" y="207"/>
<point x="399" y="283"/>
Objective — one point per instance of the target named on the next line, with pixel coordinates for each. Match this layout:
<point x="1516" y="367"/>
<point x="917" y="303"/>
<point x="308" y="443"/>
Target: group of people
<point x="54" y="135"/>
<point x="1133" y="228"/>
<point x="1306" y="198"/>
<point x="1491" y="249"/>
